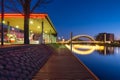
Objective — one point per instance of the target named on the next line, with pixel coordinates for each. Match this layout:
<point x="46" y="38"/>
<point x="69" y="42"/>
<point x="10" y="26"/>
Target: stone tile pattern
<point x="22" y="62"/>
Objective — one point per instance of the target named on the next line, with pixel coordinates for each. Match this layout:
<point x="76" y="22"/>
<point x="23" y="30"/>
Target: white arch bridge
<point x="91" y="40"/>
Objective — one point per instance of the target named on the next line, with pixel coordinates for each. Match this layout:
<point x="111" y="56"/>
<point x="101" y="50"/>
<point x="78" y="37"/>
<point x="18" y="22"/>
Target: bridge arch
<point x="79" y="36"/>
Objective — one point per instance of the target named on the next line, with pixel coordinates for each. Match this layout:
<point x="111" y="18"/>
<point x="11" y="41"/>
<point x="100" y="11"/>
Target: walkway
<point x="62" y="65"/>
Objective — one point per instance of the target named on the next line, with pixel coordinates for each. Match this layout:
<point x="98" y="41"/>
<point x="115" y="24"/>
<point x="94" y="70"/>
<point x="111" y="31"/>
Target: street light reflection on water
<point x="84" y="49"/>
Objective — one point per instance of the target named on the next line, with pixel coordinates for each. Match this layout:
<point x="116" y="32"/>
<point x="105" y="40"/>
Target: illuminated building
<point x="14" y="26"/>
<point x="105" y="37"/>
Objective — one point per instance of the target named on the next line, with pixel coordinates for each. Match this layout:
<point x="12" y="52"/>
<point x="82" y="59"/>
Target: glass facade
<point x="41" y="29"/>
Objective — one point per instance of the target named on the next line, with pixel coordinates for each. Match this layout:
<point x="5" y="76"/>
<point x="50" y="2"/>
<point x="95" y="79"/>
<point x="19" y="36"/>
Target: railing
<point x="83" y="42"/>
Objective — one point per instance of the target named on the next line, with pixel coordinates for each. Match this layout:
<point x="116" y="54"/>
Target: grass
<point x="54" y="45"/>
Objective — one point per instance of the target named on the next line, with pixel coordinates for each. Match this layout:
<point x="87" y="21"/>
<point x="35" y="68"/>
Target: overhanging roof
<point x="17" y="21"/>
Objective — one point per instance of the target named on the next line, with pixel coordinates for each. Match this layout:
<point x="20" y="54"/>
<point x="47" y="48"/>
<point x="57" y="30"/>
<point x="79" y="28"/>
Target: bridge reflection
<point x="84" y="49"/>
<point x="89" y="49"/>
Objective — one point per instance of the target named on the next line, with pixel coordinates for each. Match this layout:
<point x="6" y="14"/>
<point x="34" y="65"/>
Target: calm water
<point x="103" y="62"/>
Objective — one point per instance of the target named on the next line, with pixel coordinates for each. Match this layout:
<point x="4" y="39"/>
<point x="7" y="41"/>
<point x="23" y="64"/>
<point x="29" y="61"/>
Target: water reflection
<point x="88" y="49"/>
<point x="103" y="62"/>
<point x="117" y="50"/>
<point x="84" y="49"/>
<point x="81" y="49"/>
<point x="106" y="51"/>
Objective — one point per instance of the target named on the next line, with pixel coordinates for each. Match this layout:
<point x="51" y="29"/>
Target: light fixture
<point x="17" y="26"/>
<point x="31" y="22"/>
<point x="46" y="32"/>
<point x="4" y="22"/>
<point x="13" y="29"/>
<point x="38" y="27"/>
<point x="31" y="31"/>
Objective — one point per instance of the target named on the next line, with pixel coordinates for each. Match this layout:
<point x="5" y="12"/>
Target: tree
<point x="25" y="7"/>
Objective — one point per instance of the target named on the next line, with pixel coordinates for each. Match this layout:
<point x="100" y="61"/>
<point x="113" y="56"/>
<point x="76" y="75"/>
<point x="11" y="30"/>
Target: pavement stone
<point x="22" y="62"/>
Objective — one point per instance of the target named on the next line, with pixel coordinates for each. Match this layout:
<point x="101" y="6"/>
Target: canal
<point x="103" y="61"/>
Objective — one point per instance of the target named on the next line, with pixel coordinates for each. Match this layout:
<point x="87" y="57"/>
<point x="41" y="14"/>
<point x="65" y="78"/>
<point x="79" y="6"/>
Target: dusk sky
<point x="88" y="17"/>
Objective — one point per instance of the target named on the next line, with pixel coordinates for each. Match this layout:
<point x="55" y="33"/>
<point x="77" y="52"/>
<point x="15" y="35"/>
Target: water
<point x="104" y="62"/>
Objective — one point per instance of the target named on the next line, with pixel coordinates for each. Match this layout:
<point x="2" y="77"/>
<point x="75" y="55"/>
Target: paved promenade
<point x="21" y="62"/>
<point x="63" y="65"/>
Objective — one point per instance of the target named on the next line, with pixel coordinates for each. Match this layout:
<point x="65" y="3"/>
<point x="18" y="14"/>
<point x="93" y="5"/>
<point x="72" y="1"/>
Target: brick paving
<point x="22" y="62"/>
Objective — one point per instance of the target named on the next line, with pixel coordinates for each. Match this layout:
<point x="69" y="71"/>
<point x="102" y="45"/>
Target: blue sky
<point x="84" y="16"/>
<point x="88" y="17"/>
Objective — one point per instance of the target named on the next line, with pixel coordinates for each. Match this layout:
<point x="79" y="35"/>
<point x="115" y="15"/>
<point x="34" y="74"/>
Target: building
<point x="40" y="28"/>
<point x="105" y="37"/>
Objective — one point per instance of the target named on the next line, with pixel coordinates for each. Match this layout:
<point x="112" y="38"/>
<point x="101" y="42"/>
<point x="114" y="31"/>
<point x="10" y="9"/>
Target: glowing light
<point x="59" y="38"/>
<point x="13" y="29"/>
<point x="38" y="27"/>
<point x="97" y="47"/>
<point x="4" y="22"/>
<point x="46" y="32"/>
<point x="85" y="52"/>
<point x="22" y="16"/>
<point x="31" y="22"/>
<point x="79" y="36"/>
<point x="86" y="49"/>
<point x="17" y="26"/>
<point x="63" y="40"/>
<point x="31" y="31"/>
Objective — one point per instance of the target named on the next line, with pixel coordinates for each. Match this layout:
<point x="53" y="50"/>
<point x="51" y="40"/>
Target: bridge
<point x="91" y="40"/>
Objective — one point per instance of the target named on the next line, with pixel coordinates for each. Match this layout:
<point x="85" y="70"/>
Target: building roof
<point x="17" y="21"/>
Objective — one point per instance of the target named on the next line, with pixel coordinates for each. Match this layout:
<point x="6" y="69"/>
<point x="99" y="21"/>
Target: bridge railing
<point x="86" y="42"/>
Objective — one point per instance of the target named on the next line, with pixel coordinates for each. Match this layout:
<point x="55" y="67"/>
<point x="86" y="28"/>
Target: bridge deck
<point x="62" y="65"/>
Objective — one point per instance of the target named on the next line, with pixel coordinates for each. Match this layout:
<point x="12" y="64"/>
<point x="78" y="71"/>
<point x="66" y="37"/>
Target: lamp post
<point x="2" y="19"/>
<point x="104" y="37"/>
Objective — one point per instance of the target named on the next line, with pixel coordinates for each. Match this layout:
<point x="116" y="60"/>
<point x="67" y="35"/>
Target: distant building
<point x="105" y="37"/>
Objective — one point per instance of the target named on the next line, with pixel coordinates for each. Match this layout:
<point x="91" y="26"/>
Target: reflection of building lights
<point x="89" y="48"/>
<point x="97" y="47"/>
<point x="117" y="50"/>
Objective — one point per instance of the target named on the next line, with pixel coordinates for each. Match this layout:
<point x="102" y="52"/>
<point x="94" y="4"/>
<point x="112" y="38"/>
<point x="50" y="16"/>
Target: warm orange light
<point x="86" y="52"/>
<point x="22" y="16"/>
<point x="76" y="48"/>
